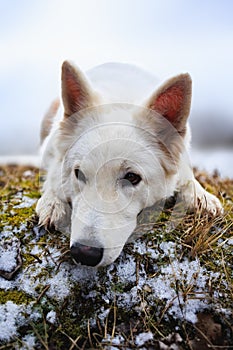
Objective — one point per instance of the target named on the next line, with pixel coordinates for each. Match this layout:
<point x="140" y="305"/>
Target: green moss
<point x="13" y="182"/>
<point x="28" y="260"/>
<point x="18" y="297"/>
<point x="33" y="194"/>
<point x="118" y="287"/>
<point x="17" y="216"/>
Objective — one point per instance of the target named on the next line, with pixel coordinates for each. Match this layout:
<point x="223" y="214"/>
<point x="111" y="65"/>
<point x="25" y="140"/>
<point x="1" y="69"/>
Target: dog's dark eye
<point x="80" y="176"/>
<point x="133" y="178"/>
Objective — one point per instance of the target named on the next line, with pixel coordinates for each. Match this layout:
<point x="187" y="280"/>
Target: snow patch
<point x="27" y="202"/>
<point x="51" y="317"/>
<point x="59" y="285"/>
<point x="115" y="341"/>
<point x="168" y="248"/>
<point x="29" y="342"/>
<point x="171" y="284"/>
<point x="142" y="338"/>
<point x="8" y="254"/>
<point x="126" y="271"/>
<point x="10" y="317"/>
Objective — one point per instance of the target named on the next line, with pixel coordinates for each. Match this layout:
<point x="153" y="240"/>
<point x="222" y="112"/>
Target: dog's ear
<point x="173" y="99"/>
<point x="76" y="91"/>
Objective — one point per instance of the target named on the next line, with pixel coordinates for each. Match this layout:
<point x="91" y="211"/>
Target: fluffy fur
<point x="120" y="147"/>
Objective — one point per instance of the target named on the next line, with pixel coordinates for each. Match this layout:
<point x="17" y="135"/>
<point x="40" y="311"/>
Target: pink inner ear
<point x="170" y="102"/>
<point x="73" y="90"/>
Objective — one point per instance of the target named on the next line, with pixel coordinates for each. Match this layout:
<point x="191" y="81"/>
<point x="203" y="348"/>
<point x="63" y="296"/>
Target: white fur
<point x="109" y="140"/>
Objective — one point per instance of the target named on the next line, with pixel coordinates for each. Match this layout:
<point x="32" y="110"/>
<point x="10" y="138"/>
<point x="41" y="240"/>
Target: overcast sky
<point x="165" y="36"/>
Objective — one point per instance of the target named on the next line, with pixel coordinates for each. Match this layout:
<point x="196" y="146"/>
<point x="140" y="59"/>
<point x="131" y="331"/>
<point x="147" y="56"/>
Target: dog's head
<point x="117" y="159"/>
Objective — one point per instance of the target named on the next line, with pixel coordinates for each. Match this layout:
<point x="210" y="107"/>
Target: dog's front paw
<point x="53" y="212"/>
<point x="209" y="202"/>
<point x="197" y="197"/>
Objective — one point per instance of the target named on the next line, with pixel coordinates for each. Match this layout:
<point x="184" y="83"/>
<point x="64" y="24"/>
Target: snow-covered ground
<point x="44" y="272"/>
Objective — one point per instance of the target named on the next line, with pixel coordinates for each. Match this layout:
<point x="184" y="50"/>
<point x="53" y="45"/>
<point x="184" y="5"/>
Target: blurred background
<point x="166" y="37"/>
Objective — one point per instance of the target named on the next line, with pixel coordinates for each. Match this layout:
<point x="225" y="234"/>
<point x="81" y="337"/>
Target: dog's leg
<point x="195" y="196"/>
<point x="52" y="211"/>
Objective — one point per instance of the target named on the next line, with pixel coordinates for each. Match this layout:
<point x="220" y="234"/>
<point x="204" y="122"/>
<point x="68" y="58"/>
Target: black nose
<point x="90" y="256"/>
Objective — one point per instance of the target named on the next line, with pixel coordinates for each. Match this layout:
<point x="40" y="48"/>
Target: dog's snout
<point x="86" y="255"/>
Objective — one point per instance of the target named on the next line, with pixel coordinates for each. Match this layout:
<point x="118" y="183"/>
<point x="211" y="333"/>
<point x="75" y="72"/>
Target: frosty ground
<point x="170" y="289"/>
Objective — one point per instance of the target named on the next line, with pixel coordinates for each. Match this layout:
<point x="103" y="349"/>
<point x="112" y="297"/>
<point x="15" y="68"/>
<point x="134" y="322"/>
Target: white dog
<point x="120" y="147"/>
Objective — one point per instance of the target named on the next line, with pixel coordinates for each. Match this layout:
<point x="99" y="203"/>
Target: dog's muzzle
<point x="90" y="256"/>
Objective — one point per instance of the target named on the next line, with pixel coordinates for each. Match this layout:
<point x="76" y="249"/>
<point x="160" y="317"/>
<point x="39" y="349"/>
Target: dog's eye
<point x="80" y="176"/>
<point x="133" y="178"/>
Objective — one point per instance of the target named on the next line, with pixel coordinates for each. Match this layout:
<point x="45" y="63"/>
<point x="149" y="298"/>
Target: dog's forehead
<point x="112" y="132"/>
<point x="111" y="135"/>
<point x="104" y="124"/>
<point x="107" y="142"/>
